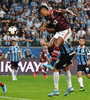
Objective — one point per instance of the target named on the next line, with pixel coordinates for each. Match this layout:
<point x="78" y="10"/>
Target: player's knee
<point x="88" y="76"/>
<point x="56" y="70"/>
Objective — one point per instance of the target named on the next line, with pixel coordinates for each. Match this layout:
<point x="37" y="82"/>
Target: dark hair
<point x="82" y="38"/>
<point x="40" y="8"/>
<point x="13" y="41"/>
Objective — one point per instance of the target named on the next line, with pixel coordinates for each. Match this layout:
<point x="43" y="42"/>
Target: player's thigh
<point x="56" y="70"/>
<point x="87" y="71"/>
<point x="59" y="42"/>
<point x="51" y="43"/>
<point x="67" y="68"/>
<point x="88" y="75"/>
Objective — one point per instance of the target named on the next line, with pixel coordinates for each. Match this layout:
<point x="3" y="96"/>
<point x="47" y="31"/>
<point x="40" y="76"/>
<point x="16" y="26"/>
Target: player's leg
<point x="39" y="69"/>
<point x="87" y="71"/>
<point x="13" y="71"/>
<point x="56" y="83"/>
<point x="80" y="80"/>
<point x="60" y="38"/>
<point x="57" y="44"/>
<point x="15" y="66"/>
<point x="3" y="87"/>
<point x="68" y="78"/>
<point x="44" y="73"/>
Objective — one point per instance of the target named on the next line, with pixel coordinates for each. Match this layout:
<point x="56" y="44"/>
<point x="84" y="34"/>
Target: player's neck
<point x="81" y="46"/>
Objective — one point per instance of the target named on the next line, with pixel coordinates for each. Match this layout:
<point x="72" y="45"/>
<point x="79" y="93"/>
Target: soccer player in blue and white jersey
<point x="63" y="62"/>
<point x="83" y="64"/>
<point x="15" y="57"/>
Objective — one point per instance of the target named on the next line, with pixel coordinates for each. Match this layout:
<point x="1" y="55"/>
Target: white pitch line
<point x="13" y="98"/>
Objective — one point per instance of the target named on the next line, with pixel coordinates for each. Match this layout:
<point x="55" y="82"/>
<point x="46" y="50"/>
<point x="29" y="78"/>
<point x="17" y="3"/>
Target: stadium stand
<point x="23" y="15"/>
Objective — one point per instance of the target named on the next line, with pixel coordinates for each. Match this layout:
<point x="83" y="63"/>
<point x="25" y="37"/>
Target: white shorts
<point x="66" y="34"/>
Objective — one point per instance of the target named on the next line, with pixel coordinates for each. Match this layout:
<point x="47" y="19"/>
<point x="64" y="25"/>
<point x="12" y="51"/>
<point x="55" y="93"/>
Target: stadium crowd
<point x="24" y="15"/>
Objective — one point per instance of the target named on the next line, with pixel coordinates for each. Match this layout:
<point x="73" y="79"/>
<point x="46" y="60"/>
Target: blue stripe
<point x="84" y="58"/>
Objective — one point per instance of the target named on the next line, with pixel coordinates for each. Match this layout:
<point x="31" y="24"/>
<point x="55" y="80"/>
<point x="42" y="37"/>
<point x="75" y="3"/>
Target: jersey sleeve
<point x="59" y="10"/>
<point x="87" y="50"/>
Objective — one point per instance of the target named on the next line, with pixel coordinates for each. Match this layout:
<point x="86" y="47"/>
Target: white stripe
<point x="13" y="98"/>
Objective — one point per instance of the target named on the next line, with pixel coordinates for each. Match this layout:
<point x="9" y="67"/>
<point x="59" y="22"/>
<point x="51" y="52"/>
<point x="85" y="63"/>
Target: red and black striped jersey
<point x="58" y="20"/>
<point x="43" y="55"/>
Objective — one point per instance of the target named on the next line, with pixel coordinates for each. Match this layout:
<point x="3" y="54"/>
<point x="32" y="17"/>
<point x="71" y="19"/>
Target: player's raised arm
<point x="48" y="29"/>
<point x="66" y="11"/>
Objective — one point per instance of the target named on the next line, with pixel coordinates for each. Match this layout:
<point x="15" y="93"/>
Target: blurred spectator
<point x="23" y="40"/>
<point x="33" y="3"/>
<point x="7" y="39"/>
<point x="29" y="39"/>
<point x="74" y="35"/>
<point x="37" y="24"/>
<point x="30" y="22"/>
<point x="14" y="4"/>
<point x="88" y="23"/>
<point x="37" y="38"/>
<point x="16" y="38"/>
<point x="2" y="12"/>
<point x="4" y="30"/>
<point x="81" y="32"/>
<point x="87" y="36"/>
<point x="76" y="25"/>
<point x="1" y="38"/>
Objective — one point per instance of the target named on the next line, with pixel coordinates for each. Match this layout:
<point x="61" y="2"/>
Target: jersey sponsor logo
<point x="55" y="22"/>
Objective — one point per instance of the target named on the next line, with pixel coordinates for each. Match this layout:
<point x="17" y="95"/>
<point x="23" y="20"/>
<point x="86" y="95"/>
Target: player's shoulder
<point x="86" y="48"/>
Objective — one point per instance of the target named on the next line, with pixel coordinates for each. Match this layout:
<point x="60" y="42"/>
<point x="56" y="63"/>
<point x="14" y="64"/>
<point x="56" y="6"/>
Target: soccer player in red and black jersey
<point x="61" y="28"/>
<point x="43" y="60"/>
<point x="1" y="84"/>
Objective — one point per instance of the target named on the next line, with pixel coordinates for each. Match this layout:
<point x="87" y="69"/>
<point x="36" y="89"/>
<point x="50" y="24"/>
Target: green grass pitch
<point x="28" y="88"/>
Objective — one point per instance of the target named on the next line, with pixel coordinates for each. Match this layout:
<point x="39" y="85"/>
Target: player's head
<point x="43" y="10"/>
<point x="82" y="41"/>
<point x="13" y="42"/>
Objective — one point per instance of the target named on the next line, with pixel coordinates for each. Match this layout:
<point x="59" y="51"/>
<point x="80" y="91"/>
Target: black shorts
<point x="63" y="61"/>
<point x="84" y="68"/>
<point x="14" y="64"/>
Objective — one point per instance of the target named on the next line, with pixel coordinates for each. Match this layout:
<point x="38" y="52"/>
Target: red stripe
<point x="55" y="54"/>
<point x="58" y="17"/>
<point x="66" y="34"/>
<point x="55" y="51"/>
<point x="54" y="58"/>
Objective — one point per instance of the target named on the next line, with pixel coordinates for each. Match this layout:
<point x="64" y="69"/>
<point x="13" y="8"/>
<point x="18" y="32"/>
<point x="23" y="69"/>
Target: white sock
<point x="80" y="80"/>
<point x="68" y="78"/>
<point x="56" y="80"/>
<point x="16" y="71"/>
<point x="12" y="72"/>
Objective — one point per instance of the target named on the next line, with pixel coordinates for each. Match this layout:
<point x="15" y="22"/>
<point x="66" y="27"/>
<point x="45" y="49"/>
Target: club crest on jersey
<point x="55" y="22"/>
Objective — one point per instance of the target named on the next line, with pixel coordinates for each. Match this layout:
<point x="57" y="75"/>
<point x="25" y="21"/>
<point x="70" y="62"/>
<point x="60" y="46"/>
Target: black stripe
<point x="64" y="49"/>
<point x="80" y="56"/>
<point x="84" y="55"/>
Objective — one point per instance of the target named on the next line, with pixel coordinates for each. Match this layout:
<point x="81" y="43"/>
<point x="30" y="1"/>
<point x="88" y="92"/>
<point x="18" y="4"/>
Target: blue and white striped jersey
<point x="14" y="53"/>
<point x="82" y="55"/>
